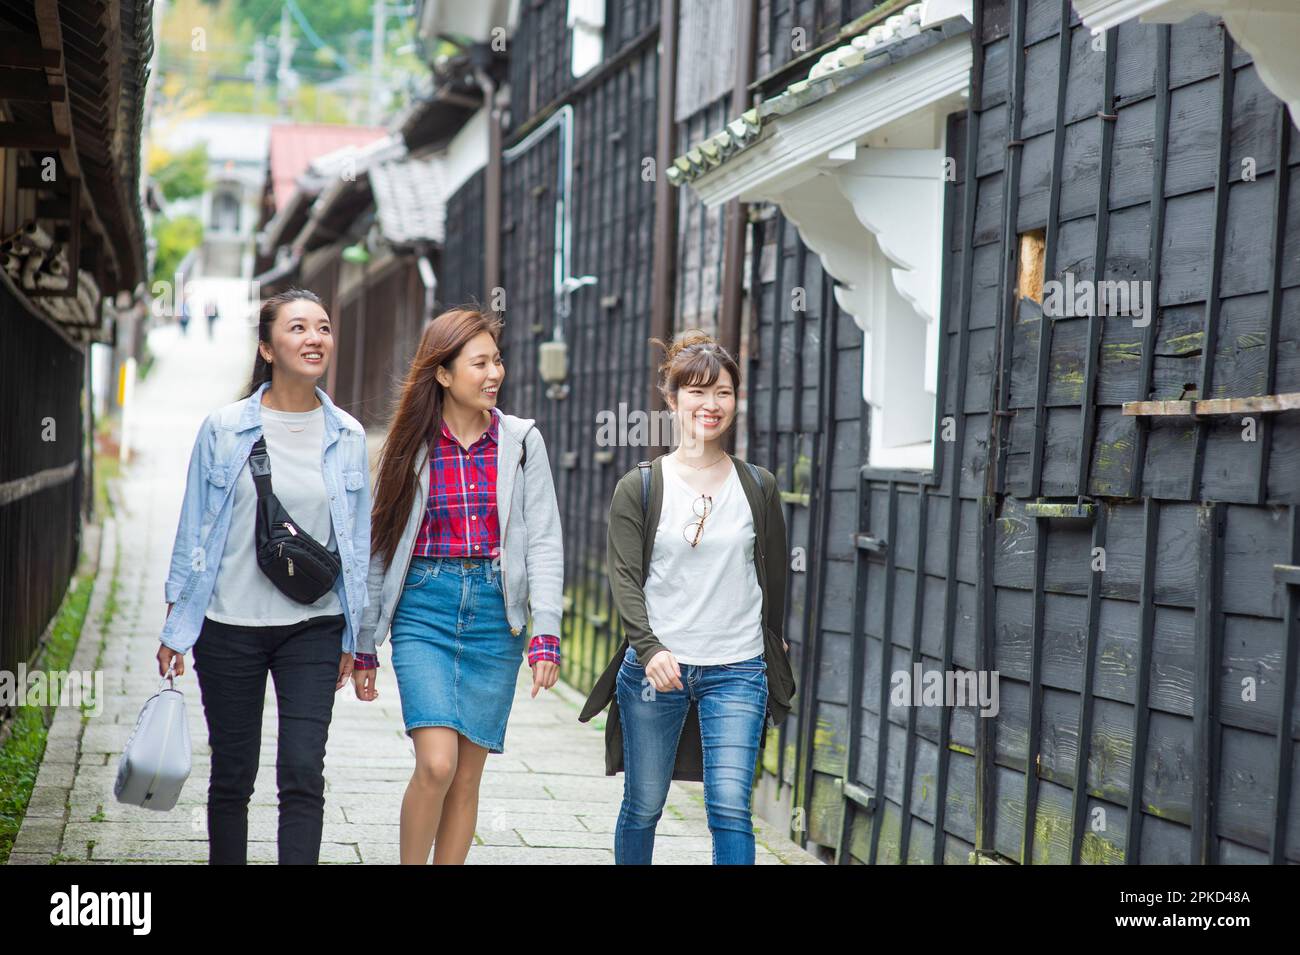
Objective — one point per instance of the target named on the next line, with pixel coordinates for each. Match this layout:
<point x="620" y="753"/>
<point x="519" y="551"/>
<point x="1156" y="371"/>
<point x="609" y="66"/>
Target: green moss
<point x="1185" y="344"/>
<point x="1112" y="454"/>
<point x="1070" y="379"/>
<point x="891" y="835"/>
<point x="1052" y="832"/>
<point x="1098" y="851"/>
<point x="1121" y="351"/>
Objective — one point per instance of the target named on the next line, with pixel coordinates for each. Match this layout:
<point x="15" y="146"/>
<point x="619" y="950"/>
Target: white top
<point x="243" y="595"/>
<point x="704" y="602"/>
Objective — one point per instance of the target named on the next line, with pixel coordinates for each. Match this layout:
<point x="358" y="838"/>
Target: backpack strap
<point x="645" y="485"/>
<point x="523" y="458"/>
<point x="645" y="481"/>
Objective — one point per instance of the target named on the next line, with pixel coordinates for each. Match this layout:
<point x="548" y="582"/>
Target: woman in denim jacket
<point x="238" y="623"/>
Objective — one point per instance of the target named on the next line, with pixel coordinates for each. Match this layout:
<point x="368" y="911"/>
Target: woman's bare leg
<point x="436" y="758"/>
<point x="460" y="808"/>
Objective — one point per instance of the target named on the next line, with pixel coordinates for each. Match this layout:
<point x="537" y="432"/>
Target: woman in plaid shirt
<point x="465" y="542"/>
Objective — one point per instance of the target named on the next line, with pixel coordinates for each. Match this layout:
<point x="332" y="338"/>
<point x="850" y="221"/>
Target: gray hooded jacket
<point x="532" y="551"/>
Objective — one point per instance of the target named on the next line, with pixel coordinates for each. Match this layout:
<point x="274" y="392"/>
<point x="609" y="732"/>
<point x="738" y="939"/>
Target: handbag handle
<point x="169" y="676"/>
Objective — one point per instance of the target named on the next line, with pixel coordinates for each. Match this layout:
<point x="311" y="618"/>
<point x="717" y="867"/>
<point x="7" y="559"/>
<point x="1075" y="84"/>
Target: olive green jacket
<point x="629" y="544"/>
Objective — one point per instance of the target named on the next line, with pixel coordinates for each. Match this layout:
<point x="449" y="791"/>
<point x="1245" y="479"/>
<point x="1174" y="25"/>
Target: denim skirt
<point x="455" y="658"/>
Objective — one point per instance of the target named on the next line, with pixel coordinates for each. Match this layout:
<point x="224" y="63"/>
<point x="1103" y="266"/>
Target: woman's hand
<point x="663" y="671"/>
<point x="363" y="682"/>
<point x="166" y="657"/>
<point x="345" y="671"/>
<point x="545" y="673"/>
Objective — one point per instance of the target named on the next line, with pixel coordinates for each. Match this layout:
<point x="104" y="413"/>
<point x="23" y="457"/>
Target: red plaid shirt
<point x="460" y="516"/>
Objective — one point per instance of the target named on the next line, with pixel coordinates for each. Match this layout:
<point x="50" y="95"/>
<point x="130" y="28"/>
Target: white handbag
<point x="156" y="761"/>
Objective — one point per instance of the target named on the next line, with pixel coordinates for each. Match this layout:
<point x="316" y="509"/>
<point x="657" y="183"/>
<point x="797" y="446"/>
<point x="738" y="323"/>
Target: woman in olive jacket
<point x="690" y="661"/>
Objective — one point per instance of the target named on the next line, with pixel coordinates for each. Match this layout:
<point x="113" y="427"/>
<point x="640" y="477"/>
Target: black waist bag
<point x="295" y="562"/>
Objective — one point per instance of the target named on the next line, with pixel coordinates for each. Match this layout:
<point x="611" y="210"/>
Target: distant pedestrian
<point x="212" y="314"/>
<point x="185" y="316"/>
<point x="226" y="597"/>
<point x="466" y="543"/>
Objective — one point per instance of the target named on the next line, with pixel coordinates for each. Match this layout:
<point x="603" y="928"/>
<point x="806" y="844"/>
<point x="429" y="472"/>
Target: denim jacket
<point x="220" y="453"/>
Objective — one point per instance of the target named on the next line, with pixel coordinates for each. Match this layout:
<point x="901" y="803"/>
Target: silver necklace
<point x="703" y="467"/>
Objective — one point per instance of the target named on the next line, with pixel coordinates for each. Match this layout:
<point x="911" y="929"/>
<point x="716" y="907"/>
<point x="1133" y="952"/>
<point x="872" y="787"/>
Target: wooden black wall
<point x="541" y="51"/>
<point x="1123" y="734"/>
<point x="1147" y="709"/>
<point x="788" y="29"/>
<point x="460" y="264"/>
<point x="42" y="469"/>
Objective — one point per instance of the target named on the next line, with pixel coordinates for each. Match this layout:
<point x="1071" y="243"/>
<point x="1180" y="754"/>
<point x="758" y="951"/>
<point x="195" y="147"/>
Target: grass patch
<point x="585" y="644"/>
<point x="21" y="754"/>
<point x="108" y="468"/>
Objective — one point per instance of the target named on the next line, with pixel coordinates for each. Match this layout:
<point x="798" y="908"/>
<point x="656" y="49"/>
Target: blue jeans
<point x="732" y="700"/>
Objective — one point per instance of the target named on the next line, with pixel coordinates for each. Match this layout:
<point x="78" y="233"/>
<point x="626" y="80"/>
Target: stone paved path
<point x="545" y="800"/>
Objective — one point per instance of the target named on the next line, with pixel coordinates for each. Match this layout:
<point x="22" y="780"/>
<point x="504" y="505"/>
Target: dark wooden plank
<point x="1035" y="696"/>
<point x="1284" y="744"/>
<point x="994" y="483"/>
<point x="882" y="756"/>
<point x="1141" y="710"/>
<point x="1048" y="323"/>
<point x="1281" y="188"/>
<point x="909" y="758"/>
<point x="1213" y="303"/>
<point x="1210" y="520"/>
<point x="963" y="310"/>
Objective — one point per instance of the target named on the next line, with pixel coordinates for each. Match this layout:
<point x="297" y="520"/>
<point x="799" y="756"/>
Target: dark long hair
<point x="265" y="317"/>
<point x="418" y="419"/>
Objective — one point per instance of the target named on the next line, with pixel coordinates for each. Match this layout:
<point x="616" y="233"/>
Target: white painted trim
<point x="806" y="135"/>
<point x="467" y="152"/>
<point x="934" y="12"/>
<point x="1104" y="14"/>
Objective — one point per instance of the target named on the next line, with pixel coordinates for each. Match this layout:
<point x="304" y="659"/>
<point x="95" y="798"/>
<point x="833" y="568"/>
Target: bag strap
<point x="645" y="481"/>
<point x="523" y="458"/>
<point x="645" y="485"/>
<point x="259" y="463"/>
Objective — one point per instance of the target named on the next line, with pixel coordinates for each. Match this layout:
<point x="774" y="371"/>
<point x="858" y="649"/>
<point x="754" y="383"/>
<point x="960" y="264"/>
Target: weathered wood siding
<point x="789" y="29"/>
<point x="541" y="51"/>
<point x="1127" y="729"/>
<point x="42" y="435"/>
<point x="1123" y="733"/>
<point x="460" y="264"/>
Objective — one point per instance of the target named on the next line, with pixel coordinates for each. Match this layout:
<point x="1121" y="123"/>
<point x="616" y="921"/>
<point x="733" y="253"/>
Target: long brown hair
<point x="418" y="420"/>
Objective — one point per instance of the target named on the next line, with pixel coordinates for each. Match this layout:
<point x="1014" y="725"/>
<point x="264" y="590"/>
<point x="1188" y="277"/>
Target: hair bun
<point x="690" y="339"/>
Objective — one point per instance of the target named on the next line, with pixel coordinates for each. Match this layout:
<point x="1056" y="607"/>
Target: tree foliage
<point x="180" y="175"/>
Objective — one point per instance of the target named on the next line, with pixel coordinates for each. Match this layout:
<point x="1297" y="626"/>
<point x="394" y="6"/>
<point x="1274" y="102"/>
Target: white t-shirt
<point x="704" y="602"/>
<point x="243" y="595"/>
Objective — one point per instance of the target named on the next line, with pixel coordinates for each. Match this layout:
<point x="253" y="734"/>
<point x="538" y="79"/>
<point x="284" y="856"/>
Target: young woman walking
<point x="466" y="542"/>
<point x="238" y="621"/>
<point x="696" y="560"/>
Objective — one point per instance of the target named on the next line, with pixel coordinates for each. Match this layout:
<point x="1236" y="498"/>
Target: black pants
<point x="232" y="663"/>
